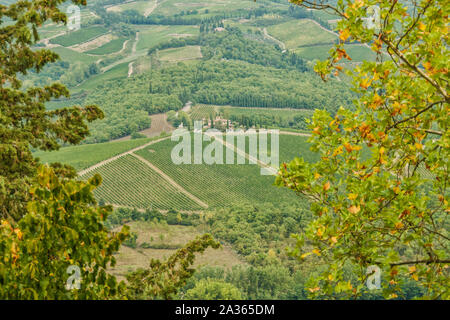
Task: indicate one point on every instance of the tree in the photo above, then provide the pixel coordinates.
(207, 289)
(62, 227)
(50, 223)
(24, 121)
(380, 191)
(163, 280)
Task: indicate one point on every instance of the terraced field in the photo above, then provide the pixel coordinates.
(128, 181)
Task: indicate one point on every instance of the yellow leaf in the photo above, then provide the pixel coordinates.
(412, 269)
(344, 34)
(348, 147)
(303, 256)
(316, 175)
(326, 186)
(398, 225)
(354, 209)
(313, 289)
(316, 251)
(421, 26)
(352, 196)
(319, 232)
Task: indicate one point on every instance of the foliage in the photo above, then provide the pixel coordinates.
(380, 210)
(23, 118)
(259, 233)
(207, 289)
(61, 227)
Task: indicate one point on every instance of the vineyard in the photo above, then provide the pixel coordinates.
(76, 37)
(218, 184)
(110, 47)
(84, 156)
(129, 182)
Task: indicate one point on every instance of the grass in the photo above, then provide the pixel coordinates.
(356, 51)
(298, 33)
(119, 71)
(79, 36)
(130, 259)
(172, 7)
(128, 181)
(150, 36)
(139, 6)
(180, 54)
(73, 56)
(84, 156)
(108, 48)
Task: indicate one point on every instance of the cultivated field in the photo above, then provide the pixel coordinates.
(84, 156)
(181, 54)
(128, 181)
(150, 36)
(299, 33)
(79, 36)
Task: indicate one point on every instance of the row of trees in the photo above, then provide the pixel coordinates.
(127, 102)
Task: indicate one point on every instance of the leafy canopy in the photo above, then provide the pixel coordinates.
(24, 121)
(380, 191)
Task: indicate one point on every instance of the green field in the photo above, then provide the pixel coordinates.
(84, 156)
(298, 33)
(172, 7)
(139, 6)
(356, 51)
(116, 72)
(150, 36)
(128, 181)
(108, 48)
(67, 54)
(79, 36)
(180, 54)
